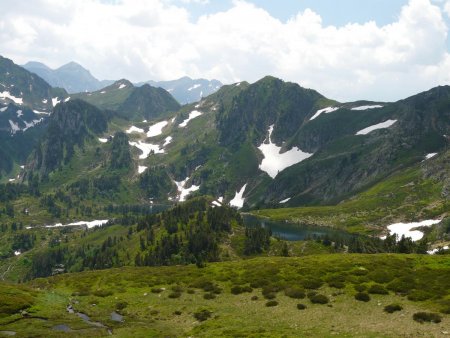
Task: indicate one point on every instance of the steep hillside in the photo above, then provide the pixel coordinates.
(133, 103)
(69, 126)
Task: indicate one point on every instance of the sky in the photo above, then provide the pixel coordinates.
(380, 50)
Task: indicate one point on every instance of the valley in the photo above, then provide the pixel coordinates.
(261, 209)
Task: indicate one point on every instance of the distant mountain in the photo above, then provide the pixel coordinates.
(71, 76)
(130, 102)
(187, 90)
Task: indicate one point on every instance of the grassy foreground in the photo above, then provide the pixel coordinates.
(257, 297)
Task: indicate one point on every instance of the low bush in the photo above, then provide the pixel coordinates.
(177, 312)
(391, 308)
(175, 294)
(301, 306)
(202, 315)
(422, 317)
(237, 289)
(102, 293)
(319, 299)
(121, 305)
(177, 288)
(157, 290)
(254, 298)
(419, 295)
(378, 289)
(209, 295)
(360, 287)
(295, 292)
(336, 284)
(312, 283)
(362, 296)
(272, 303)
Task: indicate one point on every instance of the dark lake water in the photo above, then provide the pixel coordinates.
(293, 231)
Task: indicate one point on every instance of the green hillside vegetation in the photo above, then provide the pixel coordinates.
(256, 297)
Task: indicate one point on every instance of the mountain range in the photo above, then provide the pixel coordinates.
(74, 78)
(193, 210)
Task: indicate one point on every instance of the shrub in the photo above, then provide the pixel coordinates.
(175, 294)
(209, 295)
(401, 285)
(360, 287)
(381, 276)
(121, 305)
(419, 295)
(177, 288)
(270, 295)
(378, 289)
(272, 303)
(254, 298)
(336, 284)
(311, 294)
(319, 299)
(422, 317)
(102, 293)
(237, 289)
(202, 315)
(312, 283)
(177, 312)
(295, 292)
(362, 296)
(190, 291)
(301, 306)
(391, 308)
(157, 290)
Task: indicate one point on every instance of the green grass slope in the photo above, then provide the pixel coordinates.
(257, 297)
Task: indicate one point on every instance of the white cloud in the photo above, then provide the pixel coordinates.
(155, 39)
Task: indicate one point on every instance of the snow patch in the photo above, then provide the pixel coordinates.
(382, 125)
(238, 84)
(167, 140)
(19, 113)
(194, 86)
(141, 169)
(134, 129)
(285, 200)
(103, 92)
(41, 112)
(430, 155)
(3, 109)
(7, 95)
(31, 124)
(156, 129)
(183, 191)
(55, 101)
(323, 111)
(401, 229)
(367, 107)
(238, 200)
(67, 100)
(122, 85)
(11, 180)
(146, 148)
(88, 224)
(17, 253)
(433, 251)
(274, 161)
(14, 127)
(44, 101)
(22, 167)
(192, 115)
(103, 140)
